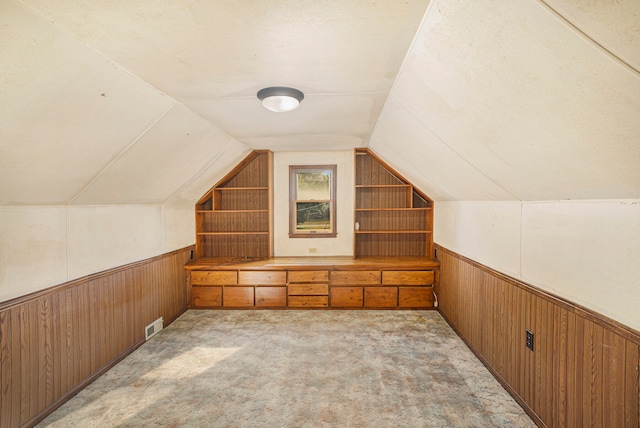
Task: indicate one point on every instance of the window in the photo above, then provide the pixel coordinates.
(312, 192)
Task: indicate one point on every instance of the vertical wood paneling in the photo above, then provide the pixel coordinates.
(632, 381)
(584, 369)
(613, 356)
(54, 342)
(559, 369)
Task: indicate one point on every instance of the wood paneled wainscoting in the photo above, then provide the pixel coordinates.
(583, 369)
(56, 341)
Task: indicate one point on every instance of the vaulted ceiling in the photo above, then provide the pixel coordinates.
(141, 102)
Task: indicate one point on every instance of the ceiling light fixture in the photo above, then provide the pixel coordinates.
(280, 98)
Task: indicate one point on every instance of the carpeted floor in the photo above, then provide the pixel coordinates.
(297, 369)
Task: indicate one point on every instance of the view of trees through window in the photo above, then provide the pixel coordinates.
(312, 200)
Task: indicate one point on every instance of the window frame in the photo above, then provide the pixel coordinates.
(294, 232)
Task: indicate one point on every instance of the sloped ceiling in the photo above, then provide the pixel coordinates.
(505, 100)
(137, 102)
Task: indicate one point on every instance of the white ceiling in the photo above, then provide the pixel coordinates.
(139, 102)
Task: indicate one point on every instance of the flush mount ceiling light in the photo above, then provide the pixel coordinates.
(280, 98)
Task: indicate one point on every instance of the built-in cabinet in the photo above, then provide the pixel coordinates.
(234, 218)
(288, 282)
(392, 267)
(393, 217)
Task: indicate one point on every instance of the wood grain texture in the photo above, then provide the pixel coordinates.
(394, 218)
(238, 297)
(308, 289)
(316, 276)
(309, 276)
(55, 341)
(262, 277)
(415, 297)
(346, 297)
(206, 297)
(271, 297)
(214, 278)
(404, 277)
(355, 277)
(308, 301)
(380, 297)
(584, 367)
(234, 218)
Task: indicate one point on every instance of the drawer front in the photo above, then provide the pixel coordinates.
(271, 296)
(308, 289)
(308, 301)
(380, 297)
(415, 297)
(265, 277)
(206, 297)
(203, 277)
(237, 297)
(355, 277)
(346, 297)
(308, 276)
(407, 277)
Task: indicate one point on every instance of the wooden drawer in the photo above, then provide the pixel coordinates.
(346, 297)
(308, 301)
(206, 297)
(271, 296)
(308, 289)
(308, 276)
(264, 277)
(415, 297)
(407, 277)
(237, 297)
(204, 277)
(380, 297)
(355, 277)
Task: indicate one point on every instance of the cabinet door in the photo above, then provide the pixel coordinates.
(355, 277)
(415, 297)
(380, 297)
(407, 277)
(308, 289)
(308, 276)
(258, 277)
(308, 301)
(346, 297)
(206, 297)
(237, 297)
(271, 296)
(204, 277)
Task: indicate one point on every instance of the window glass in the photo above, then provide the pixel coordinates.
(312, 201)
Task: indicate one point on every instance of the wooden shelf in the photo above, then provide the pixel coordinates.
(235, 217)
(231, 233)
(358, 232)
(391, 209)
(229, 211)
(240, 188)
(395, 218)
(382, 186)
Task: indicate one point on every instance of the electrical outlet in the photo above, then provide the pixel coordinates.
(529, 342)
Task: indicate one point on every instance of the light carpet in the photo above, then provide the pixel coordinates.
(297, 369)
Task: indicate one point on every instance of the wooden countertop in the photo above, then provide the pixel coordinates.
(302, 263)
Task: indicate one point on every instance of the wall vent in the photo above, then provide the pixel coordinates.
(153, 329)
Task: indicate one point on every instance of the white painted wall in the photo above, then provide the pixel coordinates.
(33, 249)
(45, 246)
(342, 245)
(587, 252)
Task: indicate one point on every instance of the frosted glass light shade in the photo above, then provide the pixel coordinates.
(280, 98)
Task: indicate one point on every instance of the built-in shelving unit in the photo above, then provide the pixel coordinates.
(234, 218)
(393, 217)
